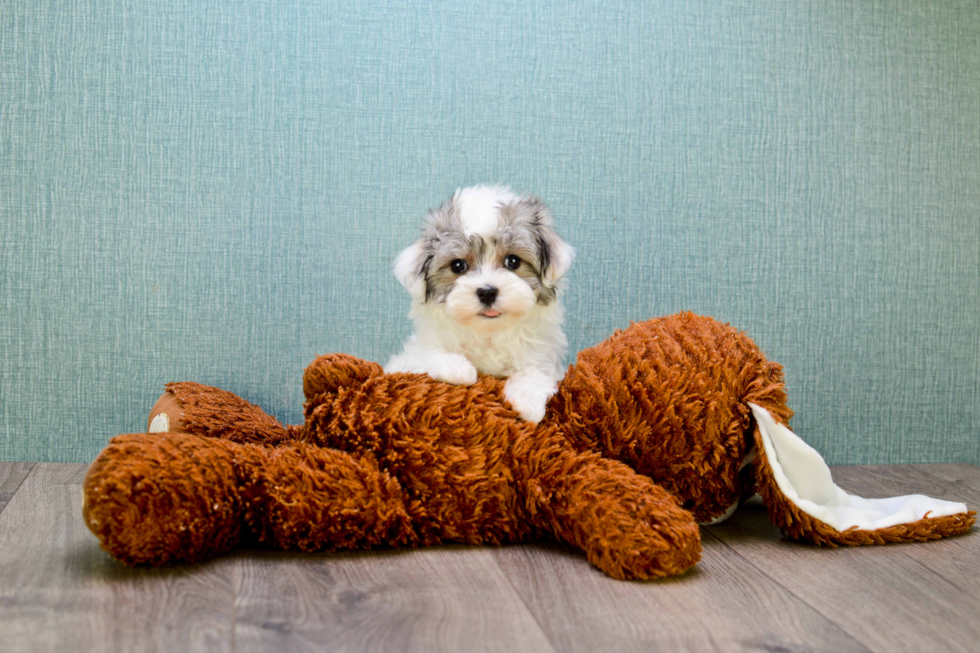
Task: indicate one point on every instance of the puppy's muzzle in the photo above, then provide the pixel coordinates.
(487, 295)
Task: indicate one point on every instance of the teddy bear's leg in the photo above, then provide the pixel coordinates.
(805, 503)
(154, 499)
(214, 413)
(628, 526)
(316, 498)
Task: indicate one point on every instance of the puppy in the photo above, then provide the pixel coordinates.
(484, 284)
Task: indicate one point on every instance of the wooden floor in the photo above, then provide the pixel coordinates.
(751, 591)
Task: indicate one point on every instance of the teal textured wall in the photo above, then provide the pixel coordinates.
(214, 191)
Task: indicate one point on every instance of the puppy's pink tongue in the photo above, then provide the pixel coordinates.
(491, 313)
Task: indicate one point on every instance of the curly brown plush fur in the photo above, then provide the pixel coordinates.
(645, 438)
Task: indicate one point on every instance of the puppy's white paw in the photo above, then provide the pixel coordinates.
(529, 396)
(440, 365)
(453, 368)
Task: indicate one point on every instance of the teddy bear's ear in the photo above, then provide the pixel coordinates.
(410, 269)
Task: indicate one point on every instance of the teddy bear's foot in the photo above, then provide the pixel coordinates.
(214, 413)
(152, 499)
(165, 415)
(806, 504)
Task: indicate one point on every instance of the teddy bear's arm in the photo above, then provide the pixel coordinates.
(329, 372)
(629, 527)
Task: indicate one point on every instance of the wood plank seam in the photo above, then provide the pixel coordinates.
(554, 645)
(927, 474)
(4, 504)
(829, 618)
(968, 467)
(236, 589)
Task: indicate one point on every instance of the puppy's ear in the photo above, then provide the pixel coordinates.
(554, 253)
(410, 268)
(556, 256)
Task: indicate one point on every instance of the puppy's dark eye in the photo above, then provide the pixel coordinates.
(458, 266)
(511, 262)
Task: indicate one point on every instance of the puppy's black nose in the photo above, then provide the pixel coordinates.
(486, 295)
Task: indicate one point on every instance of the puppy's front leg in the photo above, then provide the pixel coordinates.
(528, 391)
(441, 365)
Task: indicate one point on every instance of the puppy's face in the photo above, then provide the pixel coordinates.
(487, 257)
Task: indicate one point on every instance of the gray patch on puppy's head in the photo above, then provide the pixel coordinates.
(414, 265)
(527, 227)
(524, 228)
(443, 241)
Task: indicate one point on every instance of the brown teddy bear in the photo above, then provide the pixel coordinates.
(665, 425)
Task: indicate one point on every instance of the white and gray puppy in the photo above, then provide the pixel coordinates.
(484, 284)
